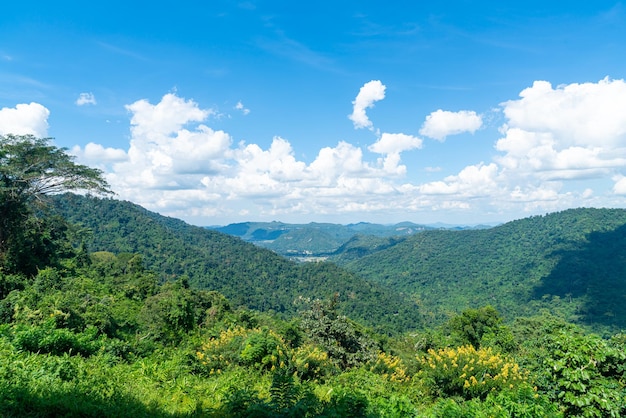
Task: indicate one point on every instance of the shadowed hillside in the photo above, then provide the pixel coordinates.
(592, 275)
(568, 262)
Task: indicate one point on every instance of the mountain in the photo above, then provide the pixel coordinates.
(312, 239)
(248, 275)
(572, 263)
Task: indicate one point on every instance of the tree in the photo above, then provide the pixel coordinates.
(345, 344)
(30, 169)
(473, 325)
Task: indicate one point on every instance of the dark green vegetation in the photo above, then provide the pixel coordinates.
(571, 263)
(30, 169)
(313, 239)
(248, 275)
(98, 334)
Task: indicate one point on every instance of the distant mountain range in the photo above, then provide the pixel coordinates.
(315, 240)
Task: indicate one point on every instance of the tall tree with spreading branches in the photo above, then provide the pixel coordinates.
(30, 169)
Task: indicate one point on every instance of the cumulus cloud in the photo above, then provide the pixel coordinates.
(86, 99)
(96, 154)
(471, 182)
(619, 187)
(166, 117)
(551, 137)
(442, 123)
(573, 131)
(163, 153)
(24, 119)
(584, 114)
(239, 106)
(177, 164)
(395, 143)
(391, 145)
(370, 93)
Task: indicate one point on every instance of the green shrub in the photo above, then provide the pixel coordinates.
(47, 339)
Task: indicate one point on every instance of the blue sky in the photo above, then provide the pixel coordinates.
(218, 112)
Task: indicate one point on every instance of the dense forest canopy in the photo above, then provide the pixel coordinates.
(569, 262)
(127, 324)
(246, 274)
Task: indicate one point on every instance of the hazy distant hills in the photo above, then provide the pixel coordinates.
(318, 239)
(248, 275)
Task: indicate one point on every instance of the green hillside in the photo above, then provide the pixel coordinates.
(86, 332)
(571, 262)
(248, 275)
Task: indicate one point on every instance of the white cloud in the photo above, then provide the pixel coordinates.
(86, 99)
(395, 143)
(392, 145)
(370, 93)
(239, 106)
(473, 181)
(442, 123)
(163, 155)
(168, 116)
(96, 154)
(24, 119)
(620, 185)
(585, 114)
(180, 166)
(344, 159)
(575, 131)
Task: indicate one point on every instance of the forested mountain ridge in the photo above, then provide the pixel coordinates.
(248, 275)
(313, 239)
(322, 239)
(570, 262)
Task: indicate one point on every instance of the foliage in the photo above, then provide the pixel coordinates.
(30, 168)
(468, 372)
(345, 344)
(389, 367)
(522, 402)
(570, 263)
(47, 339)
(585, 374)
(312, 362)
(246, 274)
(478, 327)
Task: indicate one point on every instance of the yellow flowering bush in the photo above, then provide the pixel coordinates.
(469, 373)
(311, 362)
(259, 347)
(265, 349)
(220, 352)
(389, 367)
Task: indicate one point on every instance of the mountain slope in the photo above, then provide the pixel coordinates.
(570, 262)
(246, 274)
